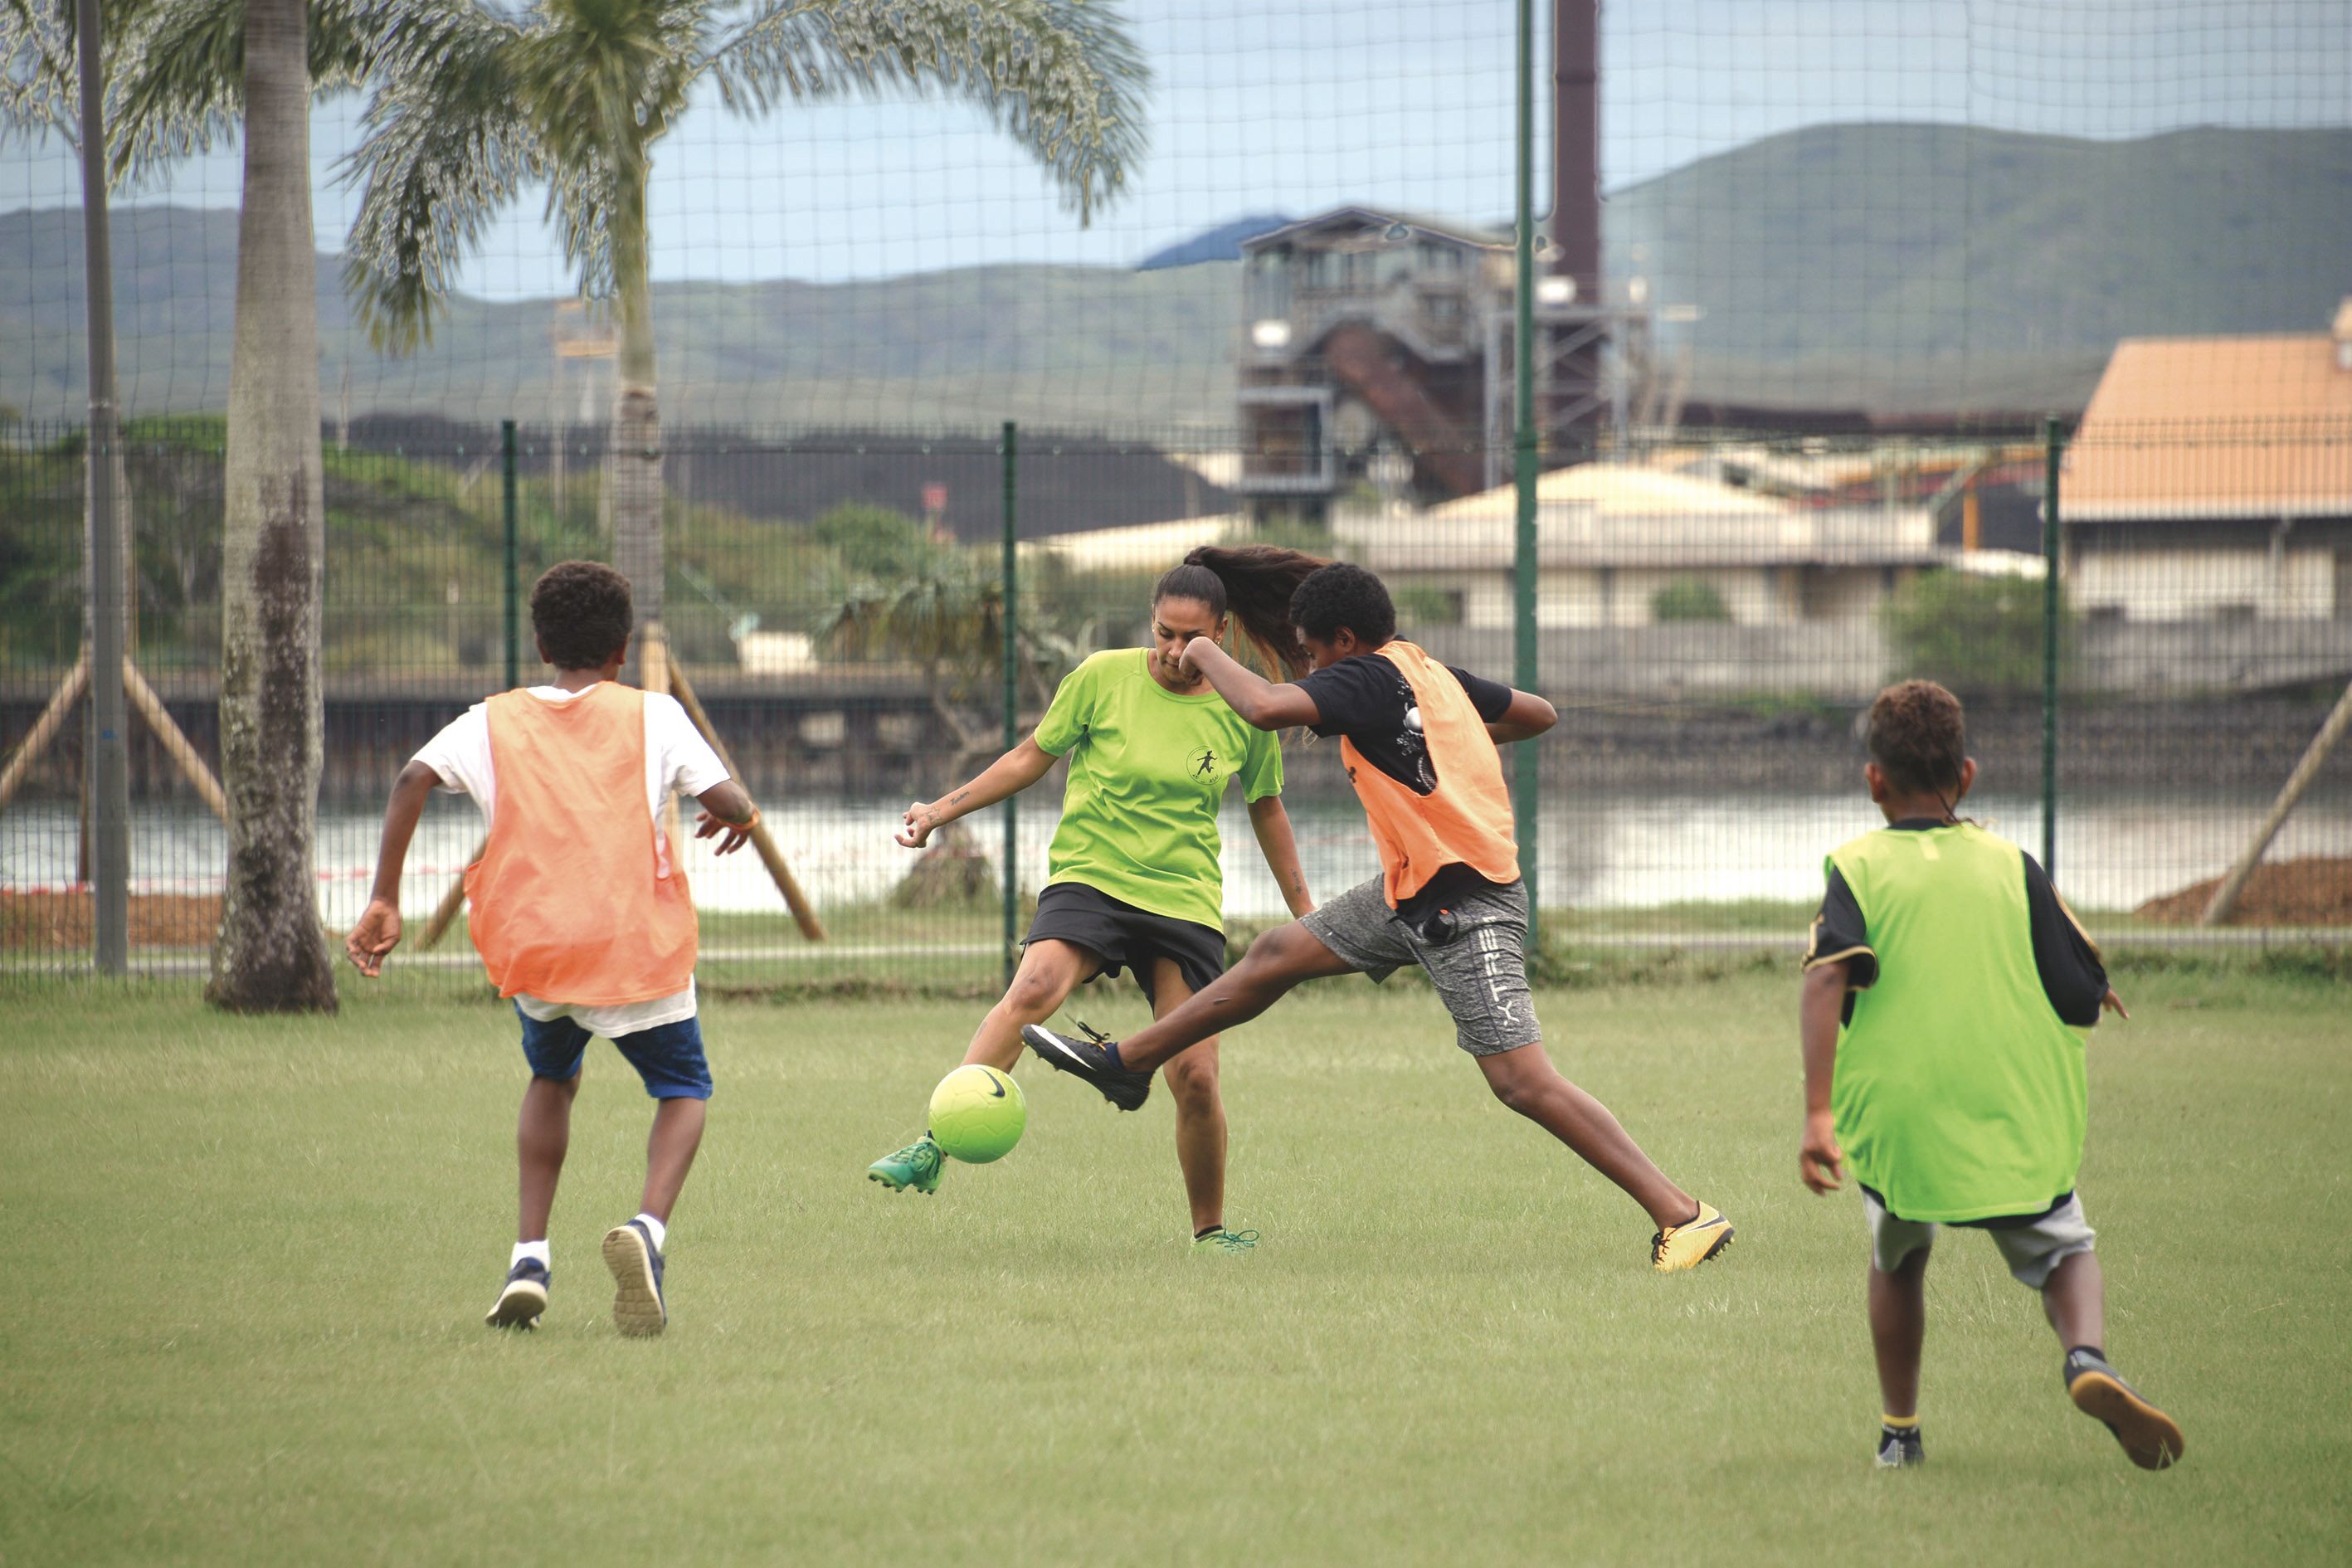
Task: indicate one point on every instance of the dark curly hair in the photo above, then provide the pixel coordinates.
(581, 612)
(1919, 736)
(1255, 582)
(1342, 595)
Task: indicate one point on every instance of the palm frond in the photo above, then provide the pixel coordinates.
(603, 79)
(447, 144)
(607, 76)
(584, 199)
(351, 40)
(40, 90)
(178, 82)
(1064, 77)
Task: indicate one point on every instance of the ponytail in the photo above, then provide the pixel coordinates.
(1253, 582)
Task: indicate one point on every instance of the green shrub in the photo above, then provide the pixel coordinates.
(1688, 599)
(1981, 637)
(1420, 606)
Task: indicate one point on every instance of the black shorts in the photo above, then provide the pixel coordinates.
(1125, 937)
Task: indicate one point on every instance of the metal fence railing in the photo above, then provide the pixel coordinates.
(1713, 612)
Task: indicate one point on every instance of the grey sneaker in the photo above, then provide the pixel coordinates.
(638, 1309)
(2150, 1437)
(524, 1298)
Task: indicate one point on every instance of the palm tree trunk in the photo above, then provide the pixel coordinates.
(271, 953)
(637, 463)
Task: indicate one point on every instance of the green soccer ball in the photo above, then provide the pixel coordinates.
(977, 1114)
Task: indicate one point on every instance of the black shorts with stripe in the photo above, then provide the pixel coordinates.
(1125, 937)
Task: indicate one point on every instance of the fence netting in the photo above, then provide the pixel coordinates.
(1713, 613)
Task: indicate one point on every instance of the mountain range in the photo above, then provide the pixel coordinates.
(1894, 267)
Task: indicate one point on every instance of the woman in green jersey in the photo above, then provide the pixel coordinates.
(1133, 880)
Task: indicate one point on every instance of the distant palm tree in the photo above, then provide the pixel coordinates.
(576, 93)
(938, 610)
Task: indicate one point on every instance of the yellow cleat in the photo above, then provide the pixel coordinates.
(1691, 1243)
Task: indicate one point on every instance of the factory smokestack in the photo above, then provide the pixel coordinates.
(1576, 144)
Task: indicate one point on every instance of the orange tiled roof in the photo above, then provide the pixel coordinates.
(2256, 428)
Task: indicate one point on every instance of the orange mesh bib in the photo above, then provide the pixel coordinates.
(573, 901)
(1466, 819)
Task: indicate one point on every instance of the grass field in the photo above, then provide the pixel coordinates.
(240, 1318)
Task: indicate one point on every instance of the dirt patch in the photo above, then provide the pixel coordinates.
(2314, 892)
(64, 920)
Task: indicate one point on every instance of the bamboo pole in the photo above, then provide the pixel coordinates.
(446, 911)
(175, 742)
(769, 854)
(44, 727)
(2225, 896)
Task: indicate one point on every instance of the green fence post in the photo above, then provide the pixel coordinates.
(1525, 776)
(2052, 444)
(1012, 618)
(514, 555)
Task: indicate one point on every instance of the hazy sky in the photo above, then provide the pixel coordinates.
(1294, 105)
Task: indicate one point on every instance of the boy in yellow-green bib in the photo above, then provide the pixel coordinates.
(1948, 999)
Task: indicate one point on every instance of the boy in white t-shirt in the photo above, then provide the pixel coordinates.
(579, 911)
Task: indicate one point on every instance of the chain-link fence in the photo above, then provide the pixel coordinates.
(1713, 614)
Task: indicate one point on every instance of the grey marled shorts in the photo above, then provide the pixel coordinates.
(1480, 973)
(2031, 1251)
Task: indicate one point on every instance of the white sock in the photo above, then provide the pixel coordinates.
(532, 1249)
(655, 1228)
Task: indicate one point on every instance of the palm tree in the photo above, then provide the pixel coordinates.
(183, 74)
(271, 953)
(189, 72)
(576, 93)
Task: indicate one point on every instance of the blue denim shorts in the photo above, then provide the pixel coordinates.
(668, 1056)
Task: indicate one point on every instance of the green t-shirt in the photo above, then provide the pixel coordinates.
(1147, 769)
(1959, 1093)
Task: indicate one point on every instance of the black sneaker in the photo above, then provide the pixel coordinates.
(1899, 1448)
(2150, 1439)
(636, 1263)
(1126, 1089)
(524, 1298)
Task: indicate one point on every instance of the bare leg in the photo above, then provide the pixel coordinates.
(2076, 1301)
(1049, 972)
(1898, 1328)
(669, 1153)
(1277, 961)
(1526, 1081)
(543, 1136)
(1191, 1079)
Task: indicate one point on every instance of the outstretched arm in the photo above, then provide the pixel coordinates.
(1528, 717)
(378, 932)
(1820, 1163)
(1259, 701)
(1011, 773)
(1271, 822)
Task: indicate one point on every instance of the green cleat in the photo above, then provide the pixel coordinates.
(918, 1166)
(1224, 1243)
